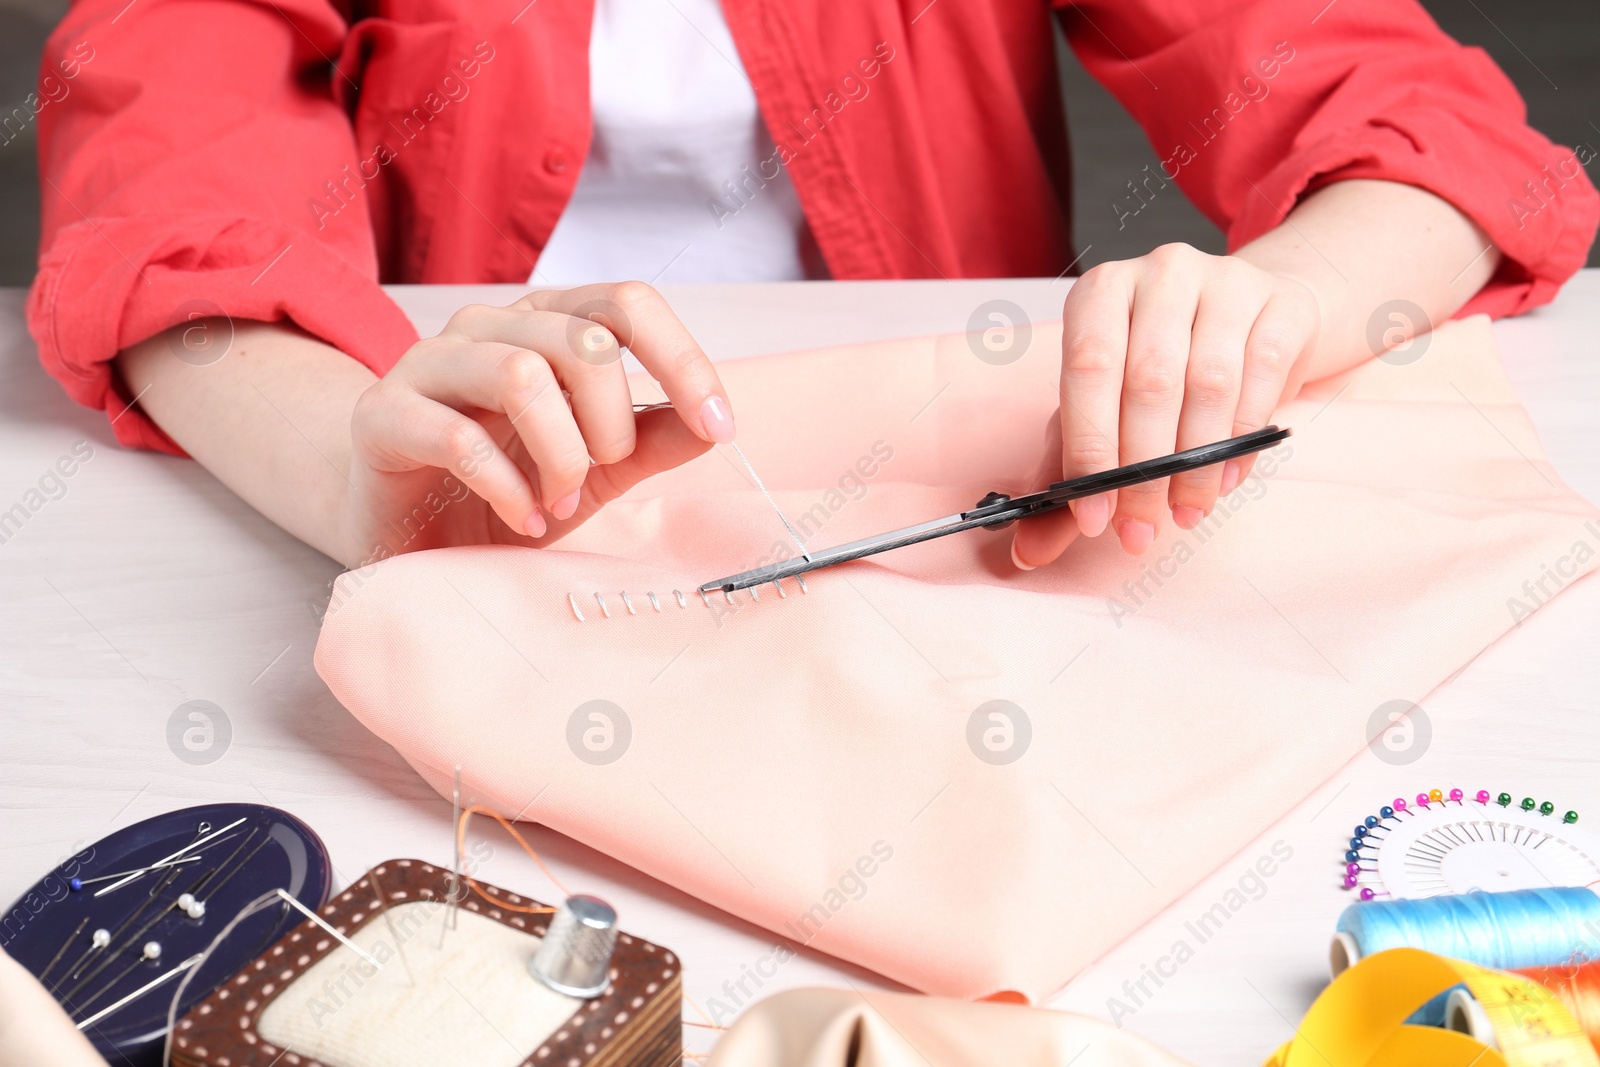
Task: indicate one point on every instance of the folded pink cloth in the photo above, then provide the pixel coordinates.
(967, 778)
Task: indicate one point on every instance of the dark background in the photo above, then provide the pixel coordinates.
(1551, 49)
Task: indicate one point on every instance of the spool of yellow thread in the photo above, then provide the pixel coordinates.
(1360, 1019)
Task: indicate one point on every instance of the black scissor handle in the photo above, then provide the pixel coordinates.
(1057, 494)
(996, 509)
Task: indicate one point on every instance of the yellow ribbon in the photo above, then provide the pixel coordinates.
(1360, 1019)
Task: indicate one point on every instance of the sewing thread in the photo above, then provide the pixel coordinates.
(1522, 928)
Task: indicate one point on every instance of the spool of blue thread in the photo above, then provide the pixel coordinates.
(1523, 928)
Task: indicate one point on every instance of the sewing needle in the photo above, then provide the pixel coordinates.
(141, 870)
(154, 983)
(168, 859)
(455, 871)
(289, 899)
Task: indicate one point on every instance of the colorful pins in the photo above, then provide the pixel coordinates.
(1359, 852)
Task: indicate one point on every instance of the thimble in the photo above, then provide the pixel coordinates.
(575, 956)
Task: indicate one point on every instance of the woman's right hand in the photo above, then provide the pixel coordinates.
(527, 407)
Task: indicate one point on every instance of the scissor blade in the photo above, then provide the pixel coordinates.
(867, 546)
(997, 509)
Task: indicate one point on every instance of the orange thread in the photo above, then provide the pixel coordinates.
(461, 846)
(698, 1056)
(708, 1024)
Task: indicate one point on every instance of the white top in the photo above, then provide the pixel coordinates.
(673, 190)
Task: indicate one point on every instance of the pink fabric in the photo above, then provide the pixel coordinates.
(811, 756)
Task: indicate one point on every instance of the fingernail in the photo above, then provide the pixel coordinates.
(1230, 476)
(1136, 536)
(1021, 566)
(1187, 517)
(716, 420)
(1092, 514)
(563, 508)
(535, 526)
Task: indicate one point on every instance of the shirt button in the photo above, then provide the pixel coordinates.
(557, 160)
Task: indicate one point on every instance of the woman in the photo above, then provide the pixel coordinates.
(257, 169)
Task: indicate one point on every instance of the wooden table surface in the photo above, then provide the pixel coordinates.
(147, 584)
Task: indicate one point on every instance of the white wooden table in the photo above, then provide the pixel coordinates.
(147, 585)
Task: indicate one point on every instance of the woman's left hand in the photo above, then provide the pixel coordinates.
(1169, 351)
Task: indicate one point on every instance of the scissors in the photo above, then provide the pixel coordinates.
(996, 509)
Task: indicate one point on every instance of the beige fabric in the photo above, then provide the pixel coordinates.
(837, 1028)
(33, 1028)
(469, 1000)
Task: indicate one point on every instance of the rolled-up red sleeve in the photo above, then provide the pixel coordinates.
(178, 172)
(1252, 105)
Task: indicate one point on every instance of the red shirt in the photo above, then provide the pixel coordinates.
(278, 160)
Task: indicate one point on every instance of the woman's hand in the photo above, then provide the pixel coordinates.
(528, 408)
(481, 435)
(1165, 352)
(1177, 348)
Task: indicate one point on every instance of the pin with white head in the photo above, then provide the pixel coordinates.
(191, 906)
